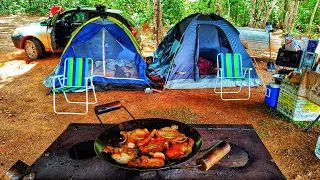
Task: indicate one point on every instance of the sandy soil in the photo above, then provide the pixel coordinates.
(28, 124)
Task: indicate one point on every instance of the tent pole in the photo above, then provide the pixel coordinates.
(103, 53)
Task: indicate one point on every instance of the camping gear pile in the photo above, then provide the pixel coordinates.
(297, 80)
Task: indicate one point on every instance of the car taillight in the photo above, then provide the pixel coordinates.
(133, 31)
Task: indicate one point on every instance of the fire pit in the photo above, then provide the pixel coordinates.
(72, 156)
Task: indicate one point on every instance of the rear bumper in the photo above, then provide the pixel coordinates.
(16, 41)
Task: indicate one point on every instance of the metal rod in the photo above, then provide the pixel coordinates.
(313, 123)
(100, 121)
(270, 46)
(128, 112)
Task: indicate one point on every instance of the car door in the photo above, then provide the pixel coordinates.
(52, 25)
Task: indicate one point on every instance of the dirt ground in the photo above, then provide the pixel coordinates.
(28, 124)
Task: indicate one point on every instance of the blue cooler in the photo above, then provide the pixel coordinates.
(272, 94)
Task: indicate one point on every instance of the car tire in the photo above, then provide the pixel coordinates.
(33, 49)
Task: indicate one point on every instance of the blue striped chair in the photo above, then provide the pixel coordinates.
(230, 69)
(77, 77)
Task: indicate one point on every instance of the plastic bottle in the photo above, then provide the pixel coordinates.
(317, 150)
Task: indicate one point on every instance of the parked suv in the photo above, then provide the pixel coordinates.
(53, 34)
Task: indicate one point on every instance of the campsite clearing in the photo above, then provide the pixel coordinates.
(28, 124)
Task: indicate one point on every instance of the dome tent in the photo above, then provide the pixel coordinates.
(196, 39)
(115, 53)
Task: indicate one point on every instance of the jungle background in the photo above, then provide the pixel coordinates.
(294, 17)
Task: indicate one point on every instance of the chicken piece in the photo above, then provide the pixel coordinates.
(146, 162)
(158, 155)
(180, 150)
(171, 133)
(121, 155)
(126, 142)
(147, 139)
(138, 135)
(155, 145)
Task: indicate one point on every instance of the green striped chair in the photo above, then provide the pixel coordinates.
(230, 69)
(77, 77)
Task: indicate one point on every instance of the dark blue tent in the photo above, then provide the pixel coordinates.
(199, 37)
(115, 53)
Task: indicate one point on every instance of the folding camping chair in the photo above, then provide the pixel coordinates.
(75, 78)
(231, 69)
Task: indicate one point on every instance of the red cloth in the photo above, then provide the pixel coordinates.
(54, 9)
(206, 67)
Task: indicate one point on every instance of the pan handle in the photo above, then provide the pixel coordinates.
(213, 155)
(104, 108)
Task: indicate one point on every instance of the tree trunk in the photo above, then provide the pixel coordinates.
(267, 14)
(243, 14)
(282, 11)
(236, 18)
(288, 15)
(158, 20)
(228, 16)
(218, 7)
(261, 5)
(312, 16)
(30, 3)
(252, 14)
(294, 15)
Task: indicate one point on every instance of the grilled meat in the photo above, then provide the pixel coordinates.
(138, 135)
(121, 155)
(147, 162)
(168, 143)
(171, 133)
(180, 150)
(155, 145)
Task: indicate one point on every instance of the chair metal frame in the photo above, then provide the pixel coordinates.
(243, 72)
(62, 81)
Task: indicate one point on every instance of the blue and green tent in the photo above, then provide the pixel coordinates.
(197, 39)
(116, 56)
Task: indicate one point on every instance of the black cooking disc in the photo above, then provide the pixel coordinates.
(112, 137)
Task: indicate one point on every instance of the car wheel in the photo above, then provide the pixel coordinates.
(33, 49)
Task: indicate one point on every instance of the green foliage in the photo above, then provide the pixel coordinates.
(173, 11)
(141, 11)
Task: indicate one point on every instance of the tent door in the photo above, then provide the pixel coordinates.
(209, 45)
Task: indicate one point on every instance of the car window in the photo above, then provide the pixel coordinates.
(67, 17)
(78, 17)
(74, 17)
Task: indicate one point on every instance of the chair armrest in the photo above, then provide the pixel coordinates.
(56, 76)
(59, 77)
(247, 69)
